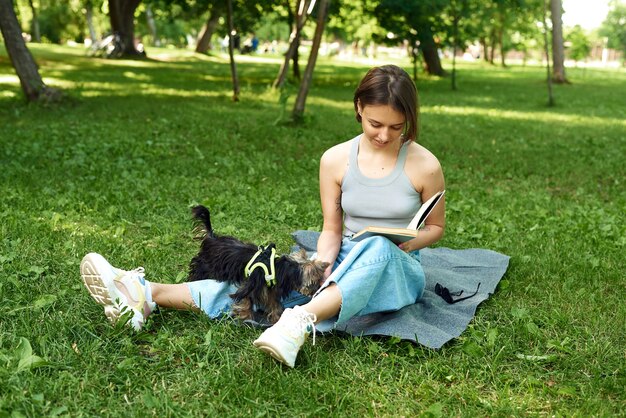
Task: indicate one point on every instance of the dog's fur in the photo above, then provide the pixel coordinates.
(224, 258)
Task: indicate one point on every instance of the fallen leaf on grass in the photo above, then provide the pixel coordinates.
(27, 360)
(44, 300)
(545, 357)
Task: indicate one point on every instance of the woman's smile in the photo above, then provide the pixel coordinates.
(380, 143)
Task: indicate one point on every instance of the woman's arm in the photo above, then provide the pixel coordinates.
(331, 173)
(427, 177)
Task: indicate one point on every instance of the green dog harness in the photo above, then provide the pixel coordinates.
(255, 263)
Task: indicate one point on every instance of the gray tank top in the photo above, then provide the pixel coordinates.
(389, 201)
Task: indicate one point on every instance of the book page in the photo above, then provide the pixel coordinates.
(396, 237)
(425, 210)
(399, 235)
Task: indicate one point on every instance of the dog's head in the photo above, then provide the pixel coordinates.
(312, 273)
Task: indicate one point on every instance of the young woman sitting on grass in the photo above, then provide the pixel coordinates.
(380, 177)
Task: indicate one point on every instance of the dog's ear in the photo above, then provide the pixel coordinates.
(313, 270)
(310, 271)
(312, 276)
(302, 257)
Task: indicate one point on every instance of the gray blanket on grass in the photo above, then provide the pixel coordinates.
(431, 321)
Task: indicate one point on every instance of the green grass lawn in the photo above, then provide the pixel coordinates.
(116, 168)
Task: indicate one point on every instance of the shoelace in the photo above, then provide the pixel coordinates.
(139, 272)
(307, 319)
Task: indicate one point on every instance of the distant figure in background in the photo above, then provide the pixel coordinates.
(237, 41)
(250, 45)
(255, 42)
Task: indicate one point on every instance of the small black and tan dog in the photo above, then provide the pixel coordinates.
(262, 278)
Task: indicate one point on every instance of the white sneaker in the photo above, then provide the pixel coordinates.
(120, 292)
(284, 339)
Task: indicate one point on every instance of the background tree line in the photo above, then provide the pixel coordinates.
(424, 27)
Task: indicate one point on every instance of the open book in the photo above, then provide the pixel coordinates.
(399, 235)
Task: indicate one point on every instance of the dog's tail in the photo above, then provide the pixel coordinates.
(202, 214)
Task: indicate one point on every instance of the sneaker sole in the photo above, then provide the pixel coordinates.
(97, 289)
(273, 353)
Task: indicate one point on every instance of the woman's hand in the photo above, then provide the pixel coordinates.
(408, 246)
(328, 271)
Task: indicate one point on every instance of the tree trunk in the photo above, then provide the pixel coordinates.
(284, 68)
(455, 26)
(204, 40)
(414, 51)
(295, 59)
(431, 55)
(279, 81)
(25, 67)
(558, 50)
(36, 34)
(483, 42)
(298, 109)
(492, 52)
(294, 42)
(302, 6)
(453, 78)
(501, 42)
(500, 32)
(231, 47)
(547, 52)
(89, 19)
(152, 26)
(122, 17)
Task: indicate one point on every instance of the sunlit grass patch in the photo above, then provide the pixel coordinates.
(539, 116)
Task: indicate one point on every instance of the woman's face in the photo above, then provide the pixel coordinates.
(382, 125)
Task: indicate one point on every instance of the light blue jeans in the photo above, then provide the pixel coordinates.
(373, 275)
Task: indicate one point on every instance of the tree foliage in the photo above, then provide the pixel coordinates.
(59, 21)
(579, 45)
(355, 21)
(415, 21)
(614, 27)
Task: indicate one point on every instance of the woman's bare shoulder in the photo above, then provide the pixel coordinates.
(334, 162)
(337, 155)
(421, 158)
(423, 168)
